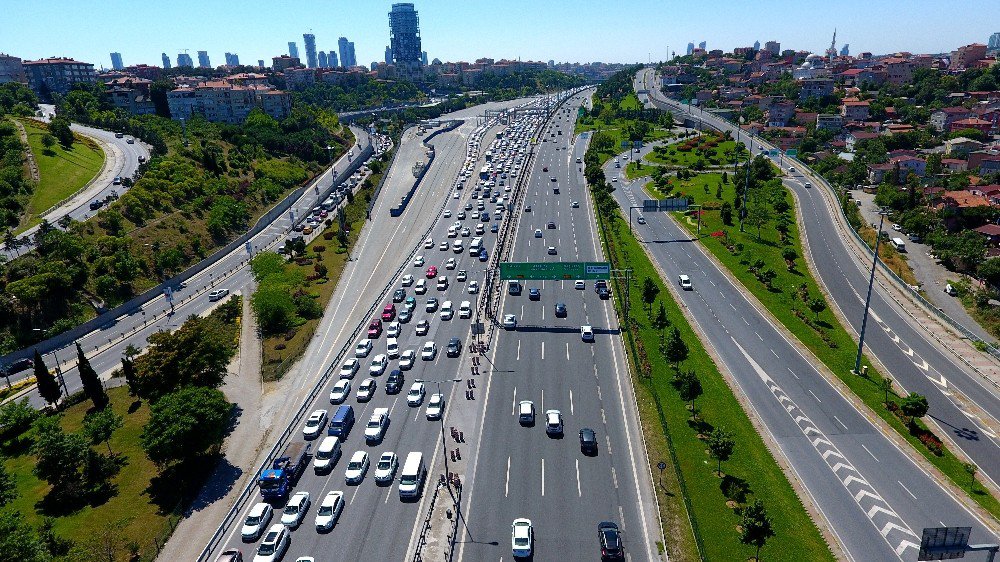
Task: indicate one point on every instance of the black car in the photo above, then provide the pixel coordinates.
(588, 441)
(494, 228)
(399, 295)
(611, 541)
(454, 347)
(484, 217)
(18, 366)
(603, 293)
(96, 204)
(560, 310)
(394, 383)
(551, 225)
(534, 294)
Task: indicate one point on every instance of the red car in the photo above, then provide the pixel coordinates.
(389, 312)
(432, 272)
(375, 329)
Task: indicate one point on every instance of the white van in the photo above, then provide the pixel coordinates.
(476, 246)
(899, 244)
(327, 454)
(465, 310)
(392, 348)
(411, 480)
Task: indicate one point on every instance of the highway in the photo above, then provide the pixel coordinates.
(963, 404)
(874, 497)
(520, 471)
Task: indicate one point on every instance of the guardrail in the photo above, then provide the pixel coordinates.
(422, 537)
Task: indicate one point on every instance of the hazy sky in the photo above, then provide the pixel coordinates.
(582, 30)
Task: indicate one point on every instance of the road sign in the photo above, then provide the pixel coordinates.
(624, 144)
(650, 205)
(637, 144)
(773, 152)
(554, 271)
(944, 543)
(792, 152)
(664, 205)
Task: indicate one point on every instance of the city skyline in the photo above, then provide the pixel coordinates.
(556, 32)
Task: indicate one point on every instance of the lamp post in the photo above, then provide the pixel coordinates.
(746, 188)
(868, 299)
(444, 444)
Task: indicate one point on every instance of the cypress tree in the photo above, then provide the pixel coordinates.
(92, 386)
(48, 386)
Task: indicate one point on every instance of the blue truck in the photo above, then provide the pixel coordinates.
(276, 482)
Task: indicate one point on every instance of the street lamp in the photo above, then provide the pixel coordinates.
(444, 444)
(746, 188)
(868, 299)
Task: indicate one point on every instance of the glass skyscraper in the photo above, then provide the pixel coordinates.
(404, 38)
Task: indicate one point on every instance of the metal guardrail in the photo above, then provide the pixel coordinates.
(422, 538)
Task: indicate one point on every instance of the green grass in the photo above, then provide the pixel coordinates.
(630, 103)
(720, 155)
(823, 334)
(61, 172)
(668, 425)
(636, 170)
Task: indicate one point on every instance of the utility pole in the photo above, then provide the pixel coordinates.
(868, 299)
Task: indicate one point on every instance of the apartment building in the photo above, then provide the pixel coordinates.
(222, 101)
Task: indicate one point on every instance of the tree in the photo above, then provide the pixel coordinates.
(726, 213)
(48, 141)
(817, 305)
(689, 386)
(661, 322)
(274, 307)
(48, 386)
(98, 426)
(989, 271)
(61, 459)
(184, 424)
(92, 385)
(915, 406)
(886, 385)
(18, 541)
(756, 526)
(8, 487)
(720, 446)
(59, 127)
(649, 291)
(789, 254)
(758, 215)
(131, 377)
(970, 469)
(196, 354)
(676, 350)
(16, 418)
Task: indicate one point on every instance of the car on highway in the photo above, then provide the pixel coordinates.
(329, 511)
(315, 424)
(392, 348)
(579, 284)
(553, 422)
(450, 263)
(575, 204)
(610, 538)
(428, 244)
(379, 363)
(538, 233)
(327, 454)
(552, 250)
(431, 272)
(407, 280)
(454, 348)
(375, 328)
(274, 546)
(560, 310)
(465, 310)
(447, 213)
(522, 535)
(389, 312)
(534, 294)
(473, 287)
(375, 429)
(509, 321)
(356, 467)
(394, 328)
(363, 348)
(349, 368)
(483, 255)
(406, 359)
(494, 228)
(587, 332)
(295, 509)
(366, 390)
(431, 305)
(394, 382)
(385, 468)
(217, 294)
(435, 406)
(429, 351)
(256, 521)
(462, 275)
(416, 394)
(551, 225)
(418, 261)
(527, 208)
(685, 282)
(410, 303)
(641, 220)
(340, 391)
(443, 246)
(423, 327)
(420, 288)
(442, 283)
(588, 441)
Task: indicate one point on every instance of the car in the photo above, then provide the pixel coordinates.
(462, 275)
(356, 467)
(450, 264)
(117, 180)
(375, 328)
(641, 220)
(428, 244)
(217, 294)
(522, 536)
(394, 382)
(329, 510)
(588, 441)
(308, 228)
(274, 545)
(552, 178)
(340, 391)
(509, 321)
(553, 422)
(385, 468)
(494, 228)
(483, 256)
(130, 140)
(443, 246)
(551, 225)
(407, 280)
(389, 312)
(410, 303)
(610, 538)
(575, 204)
(392, 348)
(394, 328)
(465, 310)
(579, 284)
(432, 305)
(406, 359)
(366, 390)
(119, 135)
(442, 283)
(534, 294)
(420, 288)
(435, 406)
(416, 394)
(538, 233)
(466, 231)
(429, 351)
(587, 332)
(423, 327)
(447, 213)
(256, 521)
(526, 412)
(552, 250)
(349, 368)
(545, 169)
(431, 272)
(473, 287)
(685, 282)
(897, 228)
(314, 425)
(791, 170)
(363, 348)
(808, 185)
(560, 310)
(460, 215)
(377, 423)
(379, 363)
(468, 206)
(454, 348)
(527, 208)
(295, 509)
(399, 295)
(418, 261)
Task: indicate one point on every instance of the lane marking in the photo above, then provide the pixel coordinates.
(579, 493)
(543, 477)
(506, 483)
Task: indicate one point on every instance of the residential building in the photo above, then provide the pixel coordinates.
(780, 113)
(971, 123)
(293, 50)
(323, 61)
(222, 101)
(906, 165)
(967, 56)
(165, 60)
(11, 69)
(346, 49)
(284, 62)
(978, 158)
(310, 42)
(855, 110)
(388, 54)
(57, 75)
(942, 119)
(816, 87)
(899, 71)
(116, 61)
(404, 39)
(144, 71)
(829, 122)
(131, 94)
(203, 61)
(774, 47)
(184, 59)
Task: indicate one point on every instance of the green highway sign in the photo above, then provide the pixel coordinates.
(792, 152)
(554, 271)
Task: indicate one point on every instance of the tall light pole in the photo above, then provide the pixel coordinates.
(868, 299)
(746, 188)
(444, 444)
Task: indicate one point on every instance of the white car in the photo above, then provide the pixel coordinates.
(465, 310)
(442, 284)
(385, 468)
(685, 282)
(421, 287)
(509, 321)
(447, 311)
(521, 537)
(366, 390)
(340, 391)
(256, 521)
(407, 280)
(416, 394)
(418, 261)
(447, 213)
(363, 348)
(435, 406)
(295, 509)
(423, 327)
(450, 263)
(473, 287)
(587, 332)
(350, 368)
(553, 422)
(378, 365)
(406, 360)
(217, 294)
(579, 284)
(356, 468)
(428, 244)
(443, 246)
(526, 412)
(375, 429)
(575, 204)
(329, 510)
(393, 330)
(274, 545)
(462, 275)
(314, 425)
(429, 351)
(392, 348)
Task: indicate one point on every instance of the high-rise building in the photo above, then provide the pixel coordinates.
(57, 75)
(423, 58)
(994, 42)
(404, 38)
(774, 47)
(703, 46)
(116, 61)
(232, 59)
(184, 59)
(203, 61)
(756, 45)
(166, 61)
(845, 51)
(323, 61)
(310, 41)
(346, 49)
(293, 50)
(260, 63)
(388, 54)
(331, 58)
(11, 69)
(690, 48)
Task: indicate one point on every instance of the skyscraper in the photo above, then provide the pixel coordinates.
(388, 54)
(310, 41)
(232, 59)
(423, 58)
(404, 38)
(331, 58)
(203, 61)
(774, 47)
(845, 51)
(756, 45)
(703, 46)
(184, 59)
(690, 48)
(166, 61)
(116, 61)
(293, 50)
(260, 63)
(346, 49)
(994, 42)
(323, 61)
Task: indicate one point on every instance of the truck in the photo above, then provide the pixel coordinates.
(276, 482)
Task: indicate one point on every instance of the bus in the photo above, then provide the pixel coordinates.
(484, 174)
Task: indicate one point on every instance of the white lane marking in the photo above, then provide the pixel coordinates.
(870, 453)
(567, 351)
(844, 425)
(907, 489)
(614, 477)
(571, 402)
(579, 493)
(542, 408)
(518, 350)
(543, 349)
(543, 477)
(506, 483)
(775, 354)
(814, 396)
(513, 404)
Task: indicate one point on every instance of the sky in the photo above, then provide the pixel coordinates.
(455, 30)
